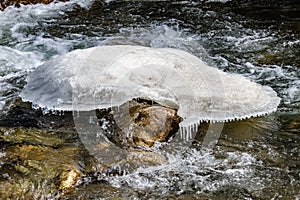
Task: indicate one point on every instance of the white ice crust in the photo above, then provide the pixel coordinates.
(106, 76)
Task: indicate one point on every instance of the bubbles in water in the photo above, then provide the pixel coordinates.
(190, 170)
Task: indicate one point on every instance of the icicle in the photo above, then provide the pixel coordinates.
(181, 132)
(186, 134)
(190, 132)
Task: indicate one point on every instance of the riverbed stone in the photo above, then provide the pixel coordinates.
(37, 164)
(38, 171)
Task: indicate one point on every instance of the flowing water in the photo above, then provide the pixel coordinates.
(253, 159)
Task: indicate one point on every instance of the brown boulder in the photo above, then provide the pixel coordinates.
(147, 124)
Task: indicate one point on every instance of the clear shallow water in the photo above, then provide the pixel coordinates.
(255, 159)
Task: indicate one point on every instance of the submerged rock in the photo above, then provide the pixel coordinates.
(35, 169)
(41, 164)
(125, 140)
(47, 164)
(38, 164)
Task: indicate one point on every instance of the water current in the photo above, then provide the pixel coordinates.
(258, 158)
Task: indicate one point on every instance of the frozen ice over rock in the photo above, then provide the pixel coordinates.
(108, 76)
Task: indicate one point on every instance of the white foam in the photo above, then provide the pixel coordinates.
(293, 93)
(188, 167)
(2, 154)
(28, 48)
(160, 36)
(1, 104)
(13, 60)
(291, 43)
(221, 1)
(23, 29)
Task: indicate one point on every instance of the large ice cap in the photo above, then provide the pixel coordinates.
(106, 76)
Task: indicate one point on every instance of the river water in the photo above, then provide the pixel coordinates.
(253, 159)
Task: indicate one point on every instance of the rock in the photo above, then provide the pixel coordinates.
(30, 136)
(18, 3)
(138, 158)
(148, 124)
(133, 136)
(153, 124)
(69, 178)
(36, 164)
(38, 170)
(132, 131)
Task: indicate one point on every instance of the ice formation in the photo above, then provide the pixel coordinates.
(107, 76)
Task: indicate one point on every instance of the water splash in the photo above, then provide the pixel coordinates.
(164, 35)
(25, 45)
(190, 170)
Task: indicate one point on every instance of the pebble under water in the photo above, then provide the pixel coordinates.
(257, 158)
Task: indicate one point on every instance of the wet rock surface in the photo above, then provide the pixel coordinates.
(48, 158)
(146, 125)
(38, 164)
